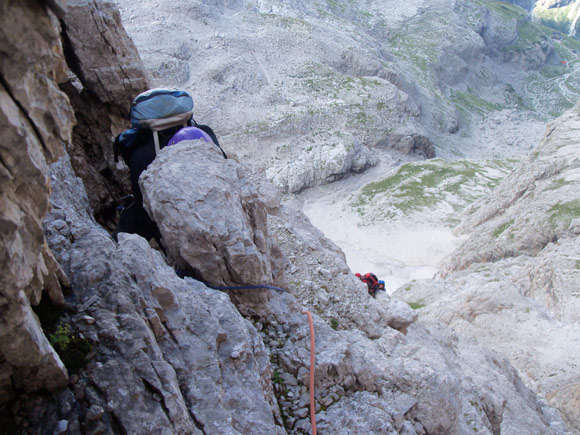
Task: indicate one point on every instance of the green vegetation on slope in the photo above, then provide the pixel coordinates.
(564, 213)
(468, 101)
(559, 18)
(506, 10)
(428, 185)
(499, 230)
(419, 43)
(545, 94)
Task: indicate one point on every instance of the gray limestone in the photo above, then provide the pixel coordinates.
(171, 355)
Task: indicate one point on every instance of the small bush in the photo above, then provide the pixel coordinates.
(71, 349)
(334, 324)
(276, 378)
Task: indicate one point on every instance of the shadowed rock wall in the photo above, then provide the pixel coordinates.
(35, 121)
(106, 73)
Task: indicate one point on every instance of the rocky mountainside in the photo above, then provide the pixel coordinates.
(463, 79)
(105, 336)
(316, 89)
(561, 15)
(518, 270)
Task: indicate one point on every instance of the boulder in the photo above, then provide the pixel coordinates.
(210, 215)
(409, 144)
(322, 165)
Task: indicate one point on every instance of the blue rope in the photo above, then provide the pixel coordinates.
(181, 273)
(243, 287)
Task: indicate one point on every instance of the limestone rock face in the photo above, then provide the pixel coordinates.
(32, 71)
(182, 352)
(211, 217)
(536, 204)
(106, 73)
(374, 73)
(321, 166)
(170, 355)
(35, 119)
(518, 270)
(379, 362)
(318, 274)
(428, 381)
(191, 363)
(112, 75)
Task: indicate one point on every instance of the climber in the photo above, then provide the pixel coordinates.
(370, 279)
(378, 287)
(159, 117)
(373, 283)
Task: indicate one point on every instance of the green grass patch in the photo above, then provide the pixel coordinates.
(558, 183)
(277, 378)
(473, 103)
(336, 5)
(361, 118)
(564, 213)
(326, 82)
(506, 10)
(419, 185)
(417, 305)
(71, 348)
(286, 21)
(547, 96)
(553, 71)
(418, 43)
(407, 172)
(499, 230)
(530, 33)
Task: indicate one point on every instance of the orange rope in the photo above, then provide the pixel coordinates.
(312, 351)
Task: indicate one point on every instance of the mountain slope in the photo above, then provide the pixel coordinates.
(290, 77)
(103, 335)
(513, 283)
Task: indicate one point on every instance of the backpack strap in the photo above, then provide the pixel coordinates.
(156, 140)
(156, 137)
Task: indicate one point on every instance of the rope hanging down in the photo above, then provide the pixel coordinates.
(312, 366)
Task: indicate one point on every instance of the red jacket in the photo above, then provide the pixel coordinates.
(371, 280)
